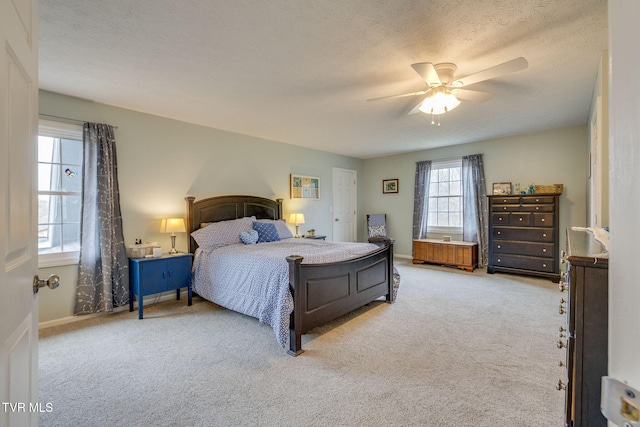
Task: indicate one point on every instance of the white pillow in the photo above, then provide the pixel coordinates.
(281, 227)
(222, 233)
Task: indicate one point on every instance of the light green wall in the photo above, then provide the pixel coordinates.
(551, 157)
(160, 161)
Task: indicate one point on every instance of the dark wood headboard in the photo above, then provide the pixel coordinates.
(222, 208)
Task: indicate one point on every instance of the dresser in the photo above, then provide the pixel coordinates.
(584, 334)
(524, 235)
(155, 275)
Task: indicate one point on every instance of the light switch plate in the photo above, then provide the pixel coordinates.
(620, 403)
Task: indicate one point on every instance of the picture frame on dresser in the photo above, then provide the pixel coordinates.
(501, 188)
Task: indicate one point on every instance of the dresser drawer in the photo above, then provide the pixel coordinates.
(539, 199)
(505, 208)
(506, 200)
(543, 219)
(545, 250)
(521, 219)
(538, 208)
(523, 262)
(531, 234)
(500, 218)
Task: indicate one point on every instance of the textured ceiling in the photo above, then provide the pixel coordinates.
(300, 72)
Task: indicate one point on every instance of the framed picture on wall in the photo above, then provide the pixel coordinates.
(501, 188)
(305, 187)
(390, 185)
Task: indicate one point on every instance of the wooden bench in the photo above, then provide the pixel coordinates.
(463, 255)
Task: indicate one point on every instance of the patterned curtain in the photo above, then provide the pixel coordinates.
(421, 199)
(474, 199)
(103, 271)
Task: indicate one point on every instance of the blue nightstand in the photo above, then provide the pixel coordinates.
(154, 275)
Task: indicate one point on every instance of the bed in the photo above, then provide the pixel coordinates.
(317, 292)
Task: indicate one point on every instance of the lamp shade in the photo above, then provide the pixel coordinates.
(172, 225)
(296, 218)
(439, 102)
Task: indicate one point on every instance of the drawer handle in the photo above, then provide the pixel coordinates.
(544, 250)
(544, 234)
(505, 208)
(544, 265)
(537, 200)
(520, 219)
(542, 220)
(500, 219)
(499, 260)
(499, 232)
(537, 207)
(504, 201)
(499, 247)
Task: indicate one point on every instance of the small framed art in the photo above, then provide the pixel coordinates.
(501, 188)
(390, 186)
(305, 187)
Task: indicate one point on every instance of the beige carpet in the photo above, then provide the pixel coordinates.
(456, 349)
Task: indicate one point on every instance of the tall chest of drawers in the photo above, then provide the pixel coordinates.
(524, 234)
(585, 334)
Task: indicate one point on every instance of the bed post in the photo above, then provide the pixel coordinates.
(389, 297)
(295, 318)
(280, 213)
(189, 200)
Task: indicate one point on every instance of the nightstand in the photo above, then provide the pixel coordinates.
(154, 275)
(316, 237)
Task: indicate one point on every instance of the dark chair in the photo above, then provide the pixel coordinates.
(377, 230)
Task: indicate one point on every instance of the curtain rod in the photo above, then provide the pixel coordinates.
(449, 159)
(74, 121)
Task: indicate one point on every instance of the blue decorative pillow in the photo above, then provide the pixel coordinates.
(281, 226)
(249, 237)
(266, 232)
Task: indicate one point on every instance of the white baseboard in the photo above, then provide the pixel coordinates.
(147, 301)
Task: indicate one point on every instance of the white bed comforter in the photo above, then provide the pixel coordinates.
(254, 279)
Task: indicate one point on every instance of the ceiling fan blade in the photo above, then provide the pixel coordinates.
(415, 109)
(422, 92)
(493, 72)
(428, 73)
(472, 95)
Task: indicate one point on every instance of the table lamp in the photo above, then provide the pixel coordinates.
(173, 226)
(296, 218)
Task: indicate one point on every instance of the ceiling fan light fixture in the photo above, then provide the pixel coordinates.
(439, 102)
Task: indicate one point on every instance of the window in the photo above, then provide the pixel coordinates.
(59, 192)
(445, 197)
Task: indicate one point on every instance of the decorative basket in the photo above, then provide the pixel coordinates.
(549, 189)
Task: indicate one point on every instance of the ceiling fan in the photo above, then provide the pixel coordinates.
(442, 92)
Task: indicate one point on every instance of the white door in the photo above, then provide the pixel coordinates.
(18, 213)
(624, 134)
(345, 199)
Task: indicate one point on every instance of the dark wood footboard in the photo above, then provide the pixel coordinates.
(324, 292)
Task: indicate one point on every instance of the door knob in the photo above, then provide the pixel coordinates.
(52, 282)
